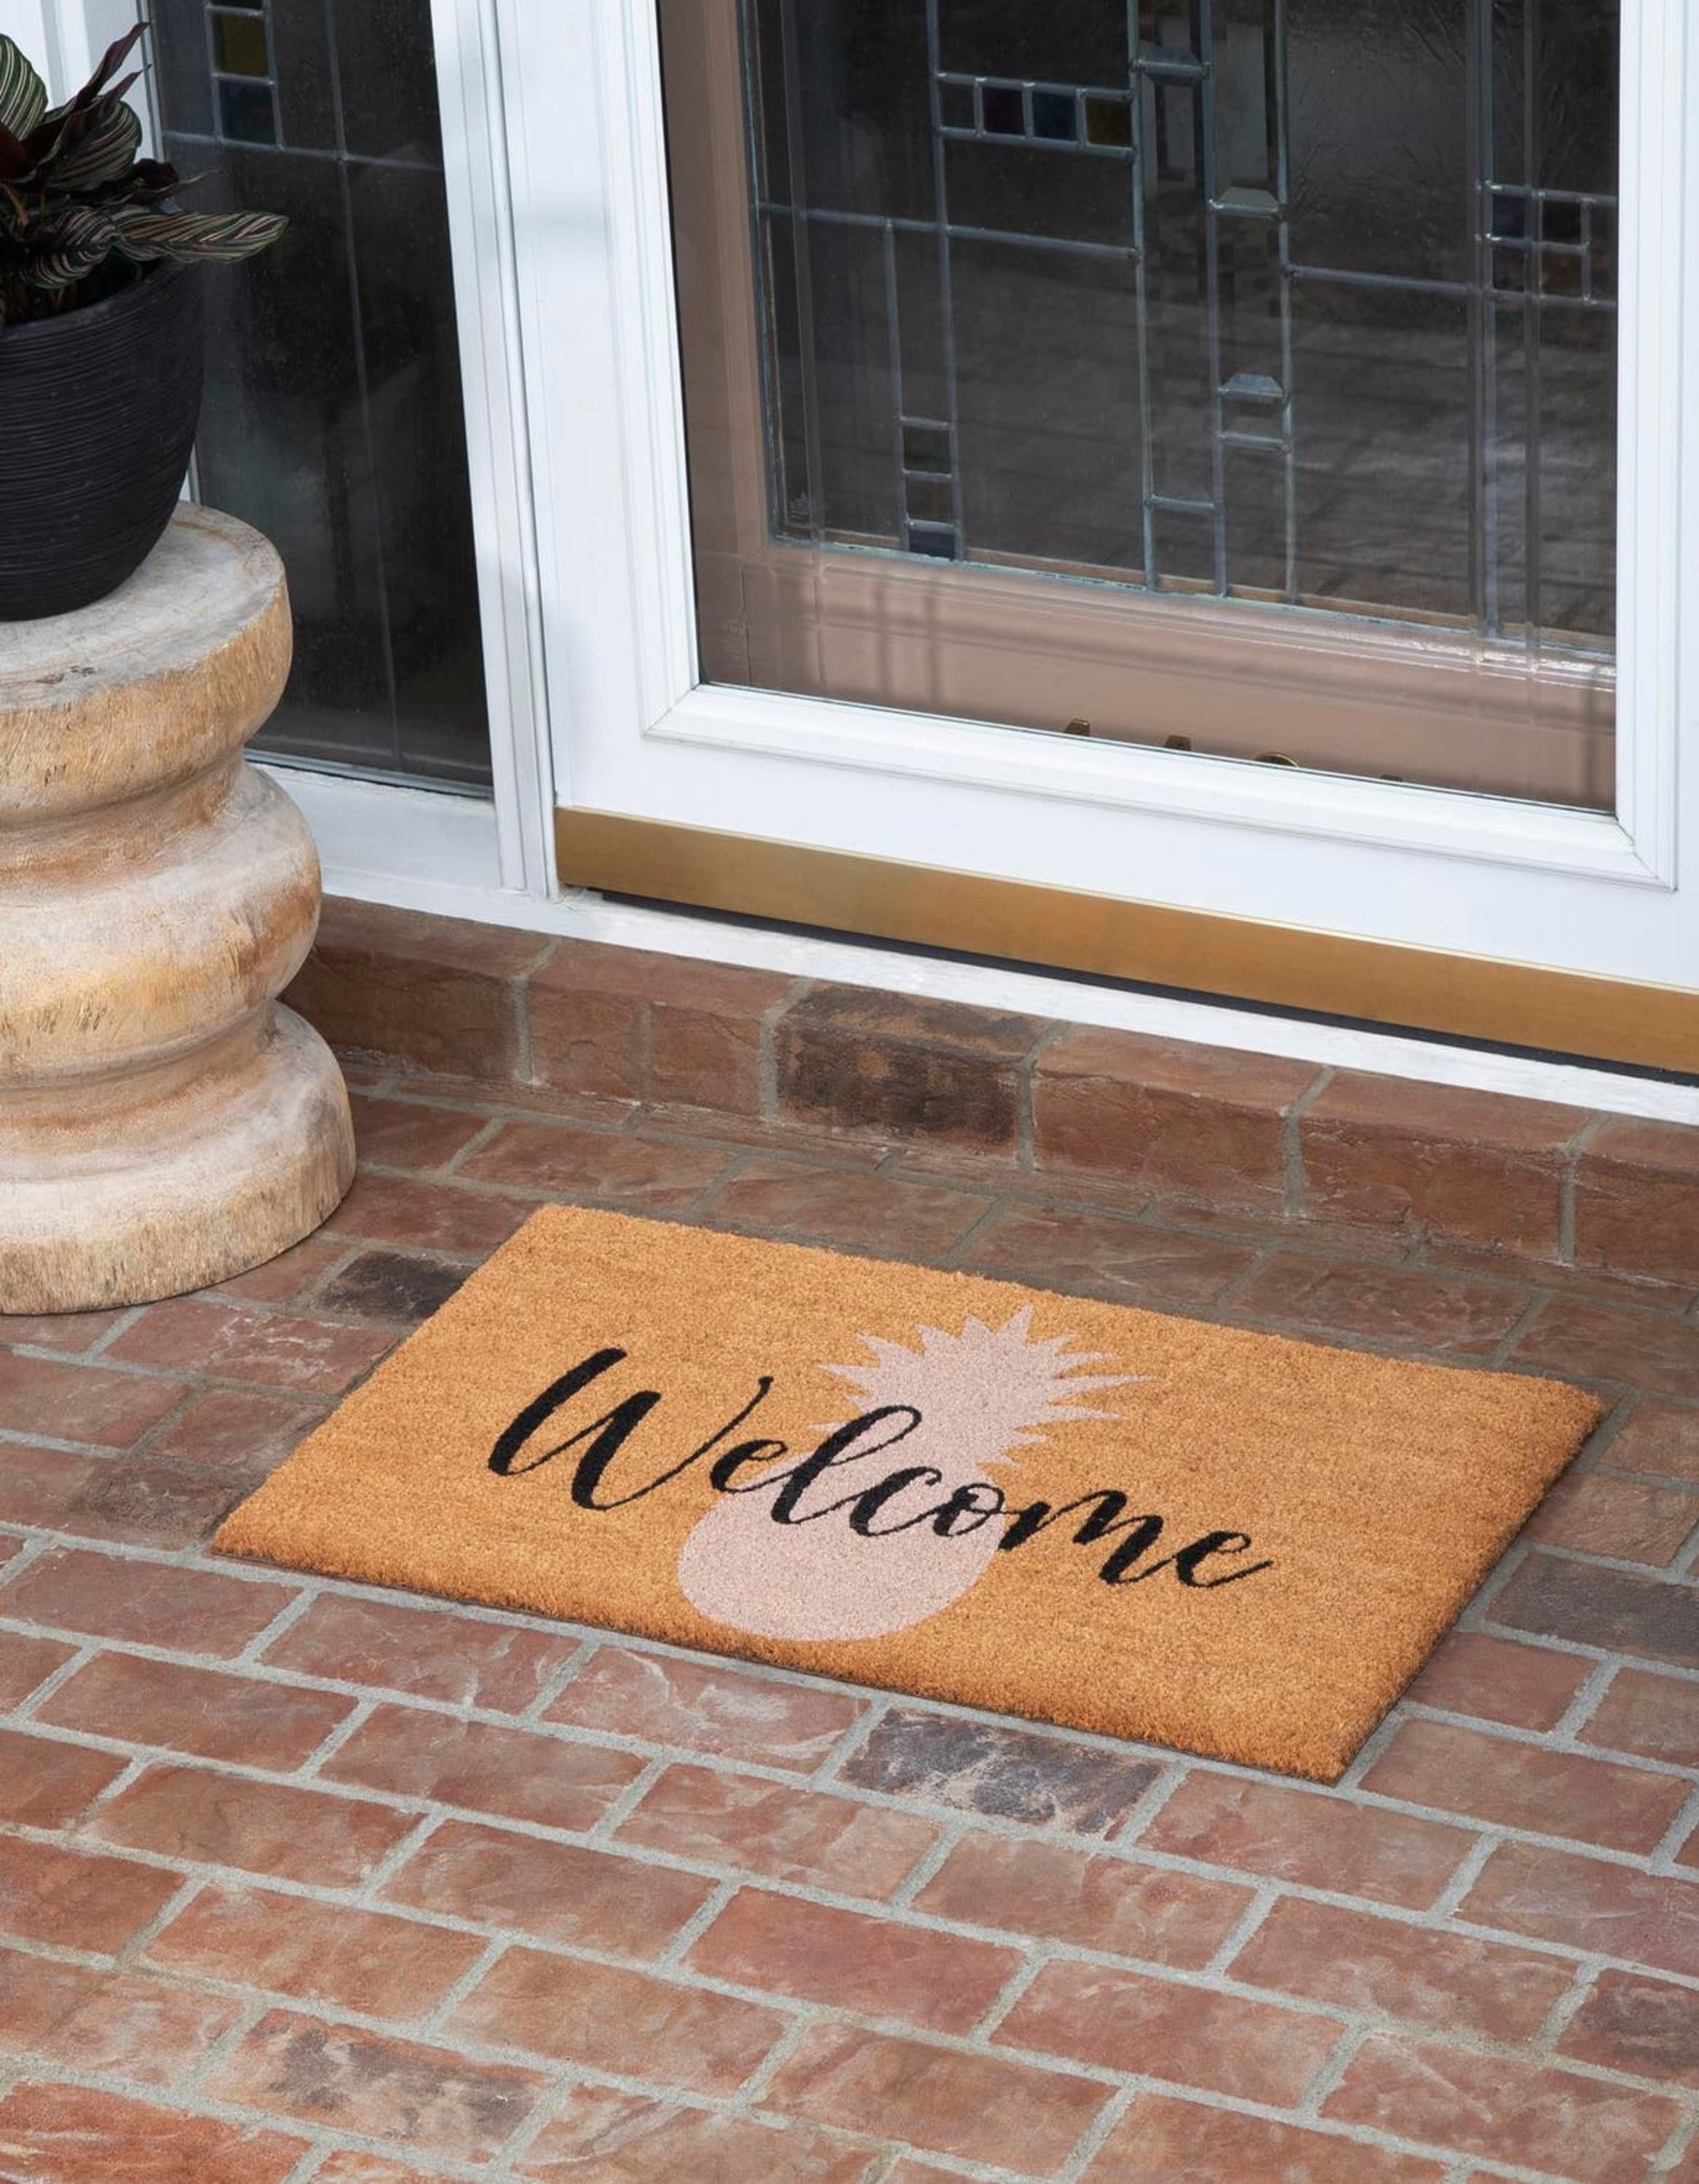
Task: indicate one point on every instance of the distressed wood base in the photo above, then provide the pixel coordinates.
(164, 1122)
(235, 1167)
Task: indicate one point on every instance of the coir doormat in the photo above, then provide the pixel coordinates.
(945, 1485)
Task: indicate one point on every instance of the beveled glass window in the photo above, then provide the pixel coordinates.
(333, 417)
(1238, 376)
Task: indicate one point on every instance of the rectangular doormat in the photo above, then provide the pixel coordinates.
(1116, 1520)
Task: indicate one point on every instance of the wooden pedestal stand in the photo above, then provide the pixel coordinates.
(163, 1123)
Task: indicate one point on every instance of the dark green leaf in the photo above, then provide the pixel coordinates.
(23, 95)
(99, 147)
(221, 235)
(14, 156)
(111, 61)
(147, 182)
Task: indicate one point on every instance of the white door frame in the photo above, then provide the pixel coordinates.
(635, 733)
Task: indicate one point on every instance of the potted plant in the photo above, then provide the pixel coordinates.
(100, 336)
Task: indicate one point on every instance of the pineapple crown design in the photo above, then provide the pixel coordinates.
(996, 1387)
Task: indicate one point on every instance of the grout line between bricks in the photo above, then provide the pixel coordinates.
(1686, 1824)
(1562, 2013)
(1330, 2073)
(1507, 1345)
(829, 1772)
(290, 1614)
(1294, 1180)
(1248, 1923)
(1097, 2135)
(927, 1867)
(1467, 1872)
(435, 2023)
(1581, 1708)
(672, 1958)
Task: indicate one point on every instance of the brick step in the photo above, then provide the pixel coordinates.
(580, 1026)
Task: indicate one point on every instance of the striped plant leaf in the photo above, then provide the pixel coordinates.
(23, 95)
(65, 247)
(221, 235)
(99, 146)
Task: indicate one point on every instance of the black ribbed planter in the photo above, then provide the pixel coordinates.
(98, 415)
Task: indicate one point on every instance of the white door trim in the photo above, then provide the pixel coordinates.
(70, 35)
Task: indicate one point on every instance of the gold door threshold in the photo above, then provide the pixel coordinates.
(1059, 929)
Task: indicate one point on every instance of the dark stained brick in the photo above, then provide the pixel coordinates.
(1010, 1773)
(1588, 1605)
(392, 1285)
(1647, 2027)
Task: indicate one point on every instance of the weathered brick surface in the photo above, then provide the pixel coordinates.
(1170, 2030)
(203, 1711)
(604, 2018)
(1259, 1827)
(319, 2072)
(435, 993)
(707, 1706)
(556, 1891)
(779, 1833)
(144, 1603)
(195, 1813)
(1439, 1161)
(483, 1765)
(1184, 1122)
(1528, 2112)
(362, 1638)
(316, 1952)
(1122, 1906)
(1458, 1770)
(1006, 1773)
(607, 2138)
(1161, 2140)
(853, 1960)
(883, 1064)
(1637, 1199)
(581, 1912)
(65, 2135)
(127, 2024)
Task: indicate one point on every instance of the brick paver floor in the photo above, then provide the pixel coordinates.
(307, 1880)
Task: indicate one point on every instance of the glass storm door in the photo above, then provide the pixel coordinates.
(1238, 376)
(334, 418)
(1204, 493)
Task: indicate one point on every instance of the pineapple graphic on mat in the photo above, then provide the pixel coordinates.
(980, 1395)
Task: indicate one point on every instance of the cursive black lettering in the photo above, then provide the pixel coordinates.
(1188, 1560)
(838, 1449)
(868, 1505)
(724, 1468)
(595, 1461)
(963, 1504)
(505, 1455)
(606, 1436)
(1104, 1521)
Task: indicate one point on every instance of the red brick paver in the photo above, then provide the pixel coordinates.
(313, 1882)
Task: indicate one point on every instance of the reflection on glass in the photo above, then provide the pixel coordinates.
(1307, 302)
(333, 415)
